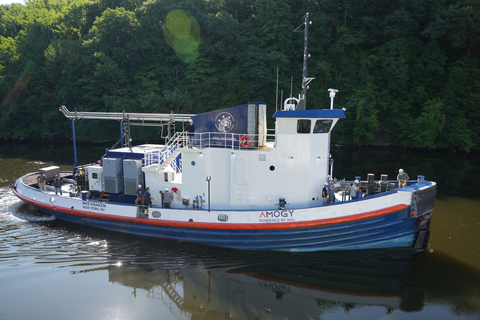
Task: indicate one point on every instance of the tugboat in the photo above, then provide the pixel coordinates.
(236, 184)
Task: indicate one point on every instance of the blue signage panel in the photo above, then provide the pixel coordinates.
(229, 120)
(221, 127)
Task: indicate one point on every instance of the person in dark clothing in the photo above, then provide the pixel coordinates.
(140, 195)
(57, 183)
(148, 198)
(190, 129)
(325, 192)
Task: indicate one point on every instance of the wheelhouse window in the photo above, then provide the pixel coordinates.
(322, 126)
(304, 126)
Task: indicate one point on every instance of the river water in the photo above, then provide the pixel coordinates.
(50, 269)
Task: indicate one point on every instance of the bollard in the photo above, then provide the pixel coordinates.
(384, 183)
(370, 178)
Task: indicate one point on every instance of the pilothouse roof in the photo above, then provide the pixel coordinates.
(317, 114)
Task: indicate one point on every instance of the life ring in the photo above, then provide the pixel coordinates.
(243, 139)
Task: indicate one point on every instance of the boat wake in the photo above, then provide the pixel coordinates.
(13, 209)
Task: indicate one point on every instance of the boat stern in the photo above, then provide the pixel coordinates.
(423, 203)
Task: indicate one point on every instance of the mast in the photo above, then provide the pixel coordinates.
(305, 80)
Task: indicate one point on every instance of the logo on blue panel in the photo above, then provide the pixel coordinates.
(224, 122)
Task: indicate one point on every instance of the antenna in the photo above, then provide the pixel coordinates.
(281, 96)
(291, 87)
(276, 95)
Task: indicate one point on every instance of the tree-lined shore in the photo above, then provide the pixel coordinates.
(408, 72)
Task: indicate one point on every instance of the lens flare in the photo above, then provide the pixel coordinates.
(20, 85)
(182, 33)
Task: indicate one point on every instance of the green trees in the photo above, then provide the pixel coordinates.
(408, 71)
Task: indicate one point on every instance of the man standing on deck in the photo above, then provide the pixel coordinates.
(140, 195)
(331, 191)
(57, 183)
(190, 129)
(42, 179)
(356, 192)
(402, 178)
(148, 198)
(167, 199)
(325, 193)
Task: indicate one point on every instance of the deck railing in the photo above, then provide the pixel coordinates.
(233, 140)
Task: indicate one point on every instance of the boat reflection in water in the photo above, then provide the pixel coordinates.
(263, 285)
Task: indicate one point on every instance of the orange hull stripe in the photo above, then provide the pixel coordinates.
(219, 225)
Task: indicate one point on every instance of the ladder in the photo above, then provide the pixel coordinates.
(168, 154)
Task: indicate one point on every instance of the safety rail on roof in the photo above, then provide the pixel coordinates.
(233, 140)
(168, 117)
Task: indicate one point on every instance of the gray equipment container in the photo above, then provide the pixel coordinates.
(50, 172)
(132, 175)
(112, 175)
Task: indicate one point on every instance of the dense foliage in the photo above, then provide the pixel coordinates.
(408, 71)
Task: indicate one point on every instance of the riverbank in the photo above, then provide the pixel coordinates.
(334, 146)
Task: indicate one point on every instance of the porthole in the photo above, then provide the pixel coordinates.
(52, 200)
(222, 217)
(156, 214)
(193, 163)
(272, 168)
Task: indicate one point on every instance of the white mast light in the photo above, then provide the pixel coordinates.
(332, 96)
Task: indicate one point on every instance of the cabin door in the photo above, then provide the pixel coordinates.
(239, 181)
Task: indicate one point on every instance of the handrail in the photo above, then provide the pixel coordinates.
(234, 141)
(160, 157)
